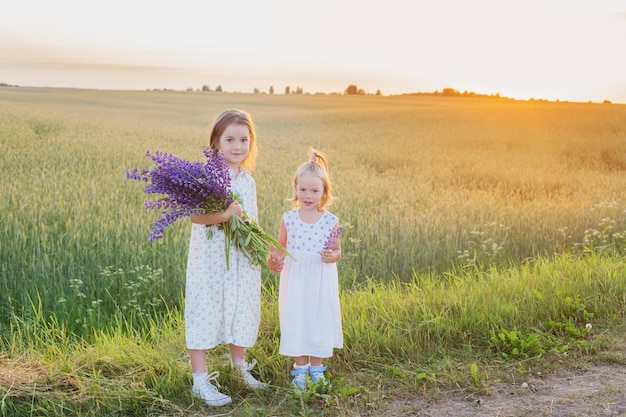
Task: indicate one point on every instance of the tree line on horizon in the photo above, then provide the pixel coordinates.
(353, 89)
(350, 90)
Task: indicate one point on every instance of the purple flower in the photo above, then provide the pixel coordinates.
(332, 237)
(136, 175)
(188, 187)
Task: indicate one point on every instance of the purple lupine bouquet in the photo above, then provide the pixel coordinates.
(197, 187)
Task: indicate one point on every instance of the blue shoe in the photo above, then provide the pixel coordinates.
(299, 376)
(317, 374)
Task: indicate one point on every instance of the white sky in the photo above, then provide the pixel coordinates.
(556, 49)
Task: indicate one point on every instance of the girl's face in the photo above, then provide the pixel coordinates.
(234, 144)
(309, 191)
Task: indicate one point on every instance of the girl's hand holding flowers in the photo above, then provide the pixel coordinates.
(330, 256)
(235, 209)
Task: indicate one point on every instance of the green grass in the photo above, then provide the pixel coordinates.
(424, 333)
(477, 233)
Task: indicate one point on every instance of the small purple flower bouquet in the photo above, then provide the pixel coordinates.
(332, 237)
(200, 188)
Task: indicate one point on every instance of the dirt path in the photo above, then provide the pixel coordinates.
(598, 391)
(589, 390)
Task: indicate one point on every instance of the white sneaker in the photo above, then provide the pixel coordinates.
(203, 388)
(244, 370)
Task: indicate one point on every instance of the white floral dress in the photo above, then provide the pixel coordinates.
(222, 306)
(310, 315)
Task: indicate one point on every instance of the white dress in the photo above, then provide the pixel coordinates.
(310, 315)
(222, 306)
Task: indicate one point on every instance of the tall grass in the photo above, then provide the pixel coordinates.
(412, 335)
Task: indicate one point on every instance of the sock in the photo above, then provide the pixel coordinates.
(197, 375)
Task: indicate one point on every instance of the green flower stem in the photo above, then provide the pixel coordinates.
(250, 239)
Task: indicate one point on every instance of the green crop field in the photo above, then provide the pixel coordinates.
(431, 191)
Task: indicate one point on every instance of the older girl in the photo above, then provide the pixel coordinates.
(223, 305)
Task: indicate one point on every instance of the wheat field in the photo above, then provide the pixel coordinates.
(422, 184)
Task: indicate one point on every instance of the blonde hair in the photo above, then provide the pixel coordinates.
(238, 117)
(317, 166)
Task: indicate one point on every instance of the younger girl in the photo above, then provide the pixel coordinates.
(310, 316)
(223, 305)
